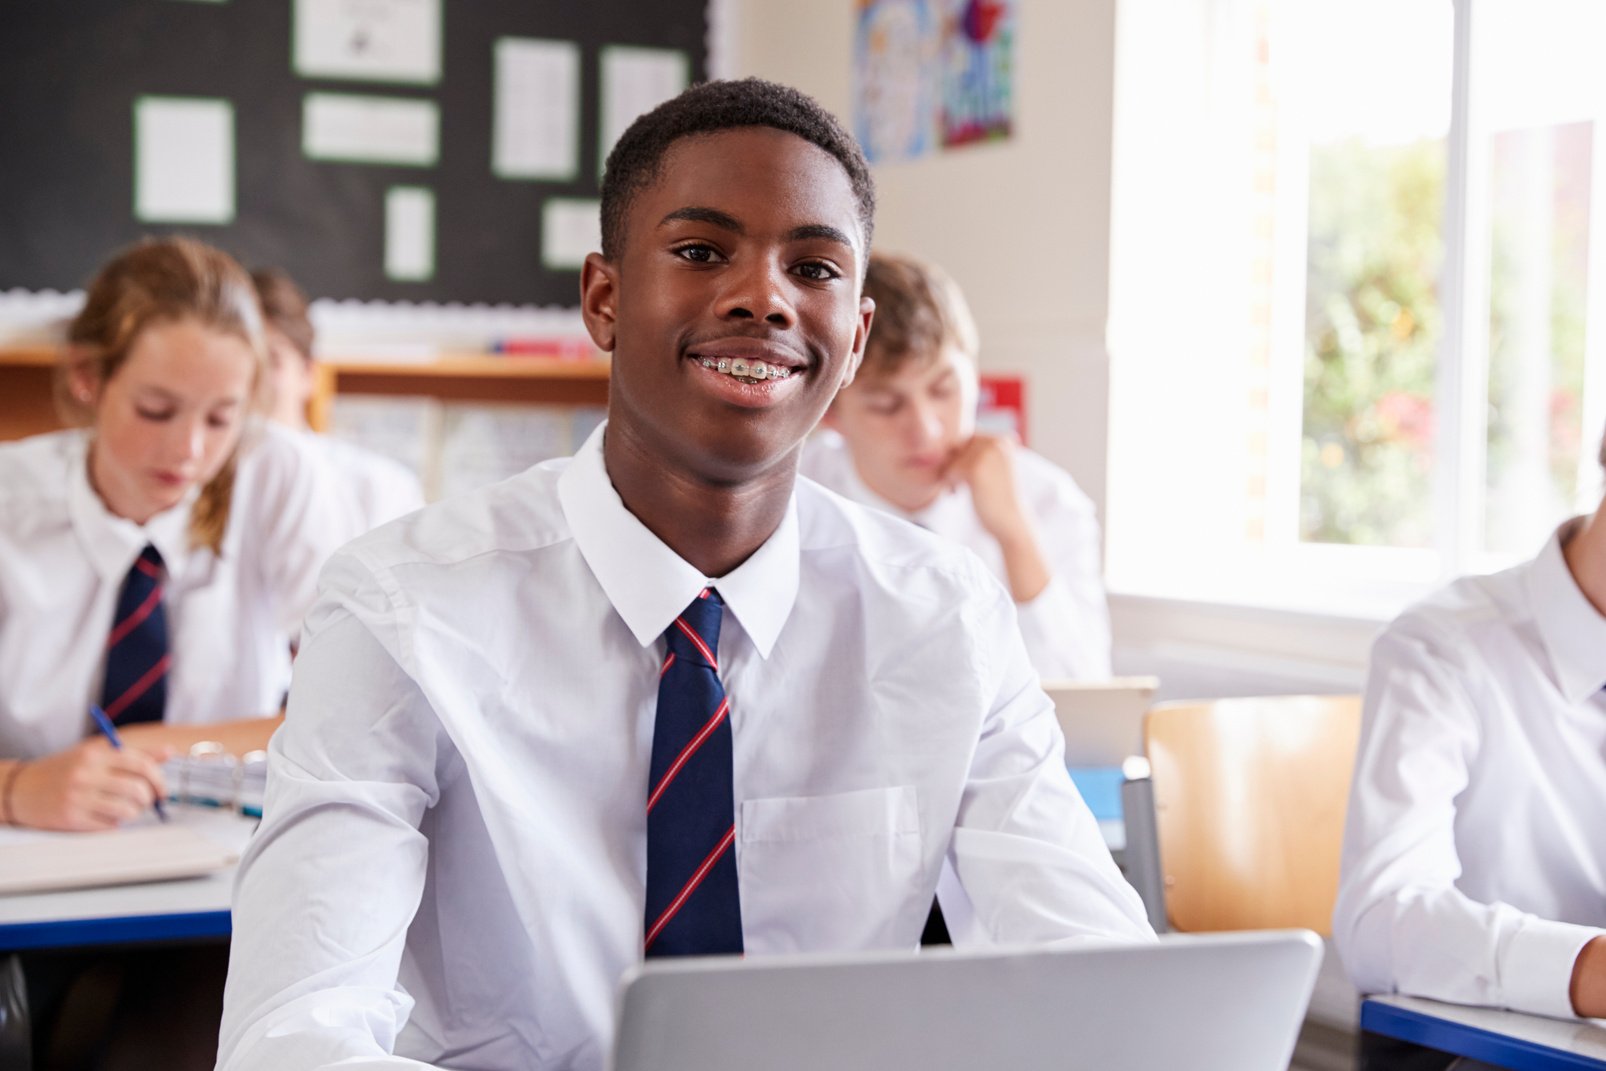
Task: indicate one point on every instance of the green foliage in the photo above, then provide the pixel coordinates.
(1373, 324)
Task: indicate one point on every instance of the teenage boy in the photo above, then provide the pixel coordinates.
(1473, 869)
(659, 698)
(903, 439)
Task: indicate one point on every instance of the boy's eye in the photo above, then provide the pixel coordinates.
(817, 272)
(155, 415)
(697, 253)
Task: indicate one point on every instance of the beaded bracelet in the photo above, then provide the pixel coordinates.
(6, 814)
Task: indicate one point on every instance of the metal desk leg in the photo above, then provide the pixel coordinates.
(1143, 848)
(16, 1035)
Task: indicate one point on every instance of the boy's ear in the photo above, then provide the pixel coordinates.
(599, 294)
(861, 334)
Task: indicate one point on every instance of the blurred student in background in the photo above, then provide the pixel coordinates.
(155, 560)
(1473, 869)
(379, 488)
(903, 438)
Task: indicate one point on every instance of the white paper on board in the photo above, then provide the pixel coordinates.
(378, 130)
(183, 160)
(369, 40)
(409, 233)
(535, 133)
(636, 80)
(570, 228)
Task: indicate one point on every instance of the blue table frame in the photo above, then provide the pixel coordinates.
(1502, 1038)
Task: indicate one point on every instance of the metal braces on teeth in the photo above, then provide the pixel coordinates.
(740, 366)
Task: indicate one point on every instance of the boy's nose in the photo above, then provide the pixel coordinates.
(758, 292)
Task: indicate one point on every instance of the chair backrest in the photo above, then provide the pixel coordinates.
(1249, 800)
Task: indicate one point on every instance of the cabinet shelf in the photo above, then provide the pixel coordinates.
(26, 407)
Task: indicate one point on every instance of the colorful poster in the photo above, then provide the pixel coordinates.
(978, 71)
(929, 74)
(894, 79)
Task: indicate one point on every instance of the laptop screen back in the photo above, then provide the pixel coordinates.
(1207, 1002)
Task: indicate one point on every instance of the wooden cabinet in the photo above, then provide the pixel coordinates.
(26, 406)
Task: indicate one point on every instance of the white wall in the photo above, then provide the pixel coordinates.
(1023, 225)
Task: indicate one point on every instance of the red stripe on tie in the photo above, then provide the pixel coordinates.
(667, 663)
(144, 566)
(691, 634)
(688, 751)
(705, 593)
(139, 687)
(131, 622)
(691, 885)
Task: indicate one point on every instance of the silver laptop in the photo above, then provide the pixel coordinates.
(1206, 1002)
(1102, 720)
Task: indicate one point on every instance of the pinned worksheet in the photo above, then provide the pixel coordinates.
(183, 160)
(536, 128)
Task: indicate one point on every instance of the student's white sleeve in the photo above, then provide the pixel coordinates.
(332, 878)
(1067, 626)
(1028, 864)
(1400, 923)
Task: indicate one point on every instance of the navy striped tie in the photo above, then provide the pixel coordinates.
(693, 905)
(137, 655)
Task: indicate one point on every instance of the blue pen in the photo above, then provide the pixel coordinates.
(110, 732)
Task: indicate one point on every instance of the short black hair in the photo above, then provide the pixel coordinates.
(710, 107)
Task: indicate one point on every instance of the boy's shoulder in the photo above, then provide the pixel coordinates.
(832, 526)
(519, 514)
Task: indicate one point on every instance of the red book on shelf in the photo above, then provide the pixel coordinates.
(564, 348)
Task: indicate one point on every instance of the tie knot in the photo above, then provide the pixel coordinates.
(150, 562)
(695, 633)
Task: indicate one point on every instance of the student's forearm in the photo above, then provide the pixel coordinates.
(1025, 566)
(1588, 989)
(237, 737)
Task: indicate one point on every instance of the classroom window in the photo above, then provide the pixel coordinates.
(1392, 237)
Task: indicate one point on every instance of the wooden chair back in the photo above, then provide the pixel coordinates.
(1249, 800)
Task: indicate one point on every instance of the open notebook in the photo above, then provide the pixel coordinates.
(37, 861)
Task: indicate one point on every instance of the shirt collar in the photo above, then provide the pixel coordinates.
(1573, 632)
(648, 583)
(112, 542)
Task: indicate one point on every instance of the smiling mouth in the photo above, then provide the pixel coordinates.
(744, 370)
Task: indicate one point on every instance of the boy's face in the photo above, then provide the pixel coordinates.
(746, 249)
(903, 427)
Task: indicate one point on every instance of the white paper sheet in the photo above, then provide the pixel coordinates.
(183, 160)
(410, 233)
(570, 228)
(536, 128)
(375, 130)
(369, 40)
(635, 80)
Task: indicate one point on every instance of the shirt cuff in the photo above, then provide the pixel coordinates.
(1536, 970)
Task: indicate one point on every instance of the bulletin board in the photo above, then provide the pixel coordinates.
(380, 150)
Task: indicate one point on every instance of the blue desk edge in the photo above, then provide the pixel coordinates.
(73, 933)
(1470, 1041)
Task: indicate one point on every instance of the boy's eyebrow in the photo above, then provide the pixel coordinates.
(818, 230)
(726, 221)
(695, 214)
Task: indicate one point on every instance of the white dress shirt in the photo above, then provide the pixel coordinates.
(1474, 869)
(1067, 626)
(64, 557)
(453, 860)
(379, 488)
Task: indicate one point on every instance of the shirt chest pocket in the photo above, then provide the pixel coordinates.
(837, 872)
